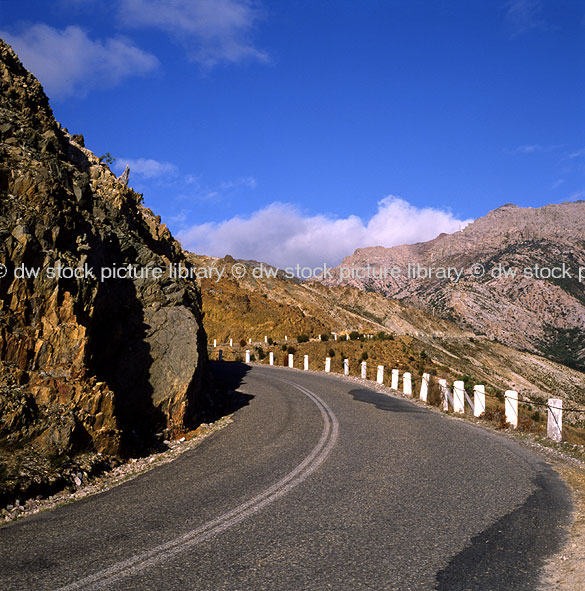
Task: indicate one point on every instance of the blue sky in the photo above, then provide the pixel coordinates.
(299, 131)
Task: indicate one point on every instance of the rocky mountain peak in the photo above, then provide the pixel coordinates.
(541, 314)
(22, 92)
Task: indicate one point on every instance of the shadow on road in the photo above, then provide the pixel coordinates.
(384, 402)
(227, 378)
(508, 555)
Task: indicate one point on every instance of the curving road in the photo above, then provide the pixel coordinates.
(320, 483)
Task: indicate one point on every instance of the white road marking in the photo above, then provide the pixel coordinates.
(134, 565)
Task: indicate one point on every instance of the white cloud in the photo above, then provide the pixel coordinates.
(146, 167)
(212, 31)
(196, 191)
(577, 196)
(528, 149)
(249, 182)
(576, 154)
(281, 235)
(192, 179)
(533, 149)
(524, 15)
(67, 62)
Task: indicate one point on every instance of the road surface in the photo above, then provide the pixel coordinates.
(320, 483)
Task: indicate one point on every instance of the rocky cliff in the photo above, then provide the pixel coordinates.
(85, 364)
(505, 291)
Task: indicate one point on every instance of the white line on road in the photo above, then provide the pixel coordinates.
(134, 565)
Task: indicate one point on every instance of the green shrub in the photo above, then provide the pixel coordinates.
(468, 383)
(107, 158)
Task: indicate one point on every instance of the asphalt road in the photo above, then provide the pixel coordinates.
(320, 483)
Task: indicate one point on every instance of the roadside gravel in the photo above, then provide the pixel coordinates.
(118, 475)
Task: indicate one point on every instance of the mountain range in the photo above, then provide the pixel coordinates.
(520, 283)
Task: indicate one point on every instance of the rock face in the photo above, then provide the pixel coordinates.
(533, 313)
(85, 364)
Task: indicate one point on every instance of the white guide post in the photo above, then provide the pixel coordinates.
(459, 396)
(271, 358)
(249, 341)
(554, 427)
(364, 370)
(478, 400)
(231, 342)
(394, 380)
(265, 340)
(327, 364)
(247, 356)
(346, 367)
(380, 374)
(407, 384)
(214, 343)
(306, 363)
(511, 398)
(424, 387)
(290, 360)
(444, 397)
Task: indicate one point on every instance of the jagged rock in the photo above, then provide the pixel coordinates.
(78, 139)
(84, 363)
(125, 176)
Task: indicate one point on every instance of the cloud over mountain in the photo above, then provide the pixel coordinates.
(69, 62)
(282, 235)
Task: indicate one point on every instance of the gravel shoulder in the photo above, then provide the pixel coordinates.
(117, 476)
(566, 570)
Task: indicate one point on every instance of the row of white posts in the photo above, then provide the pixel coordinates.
(249, 341)
(335, 336)
(457, 398)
